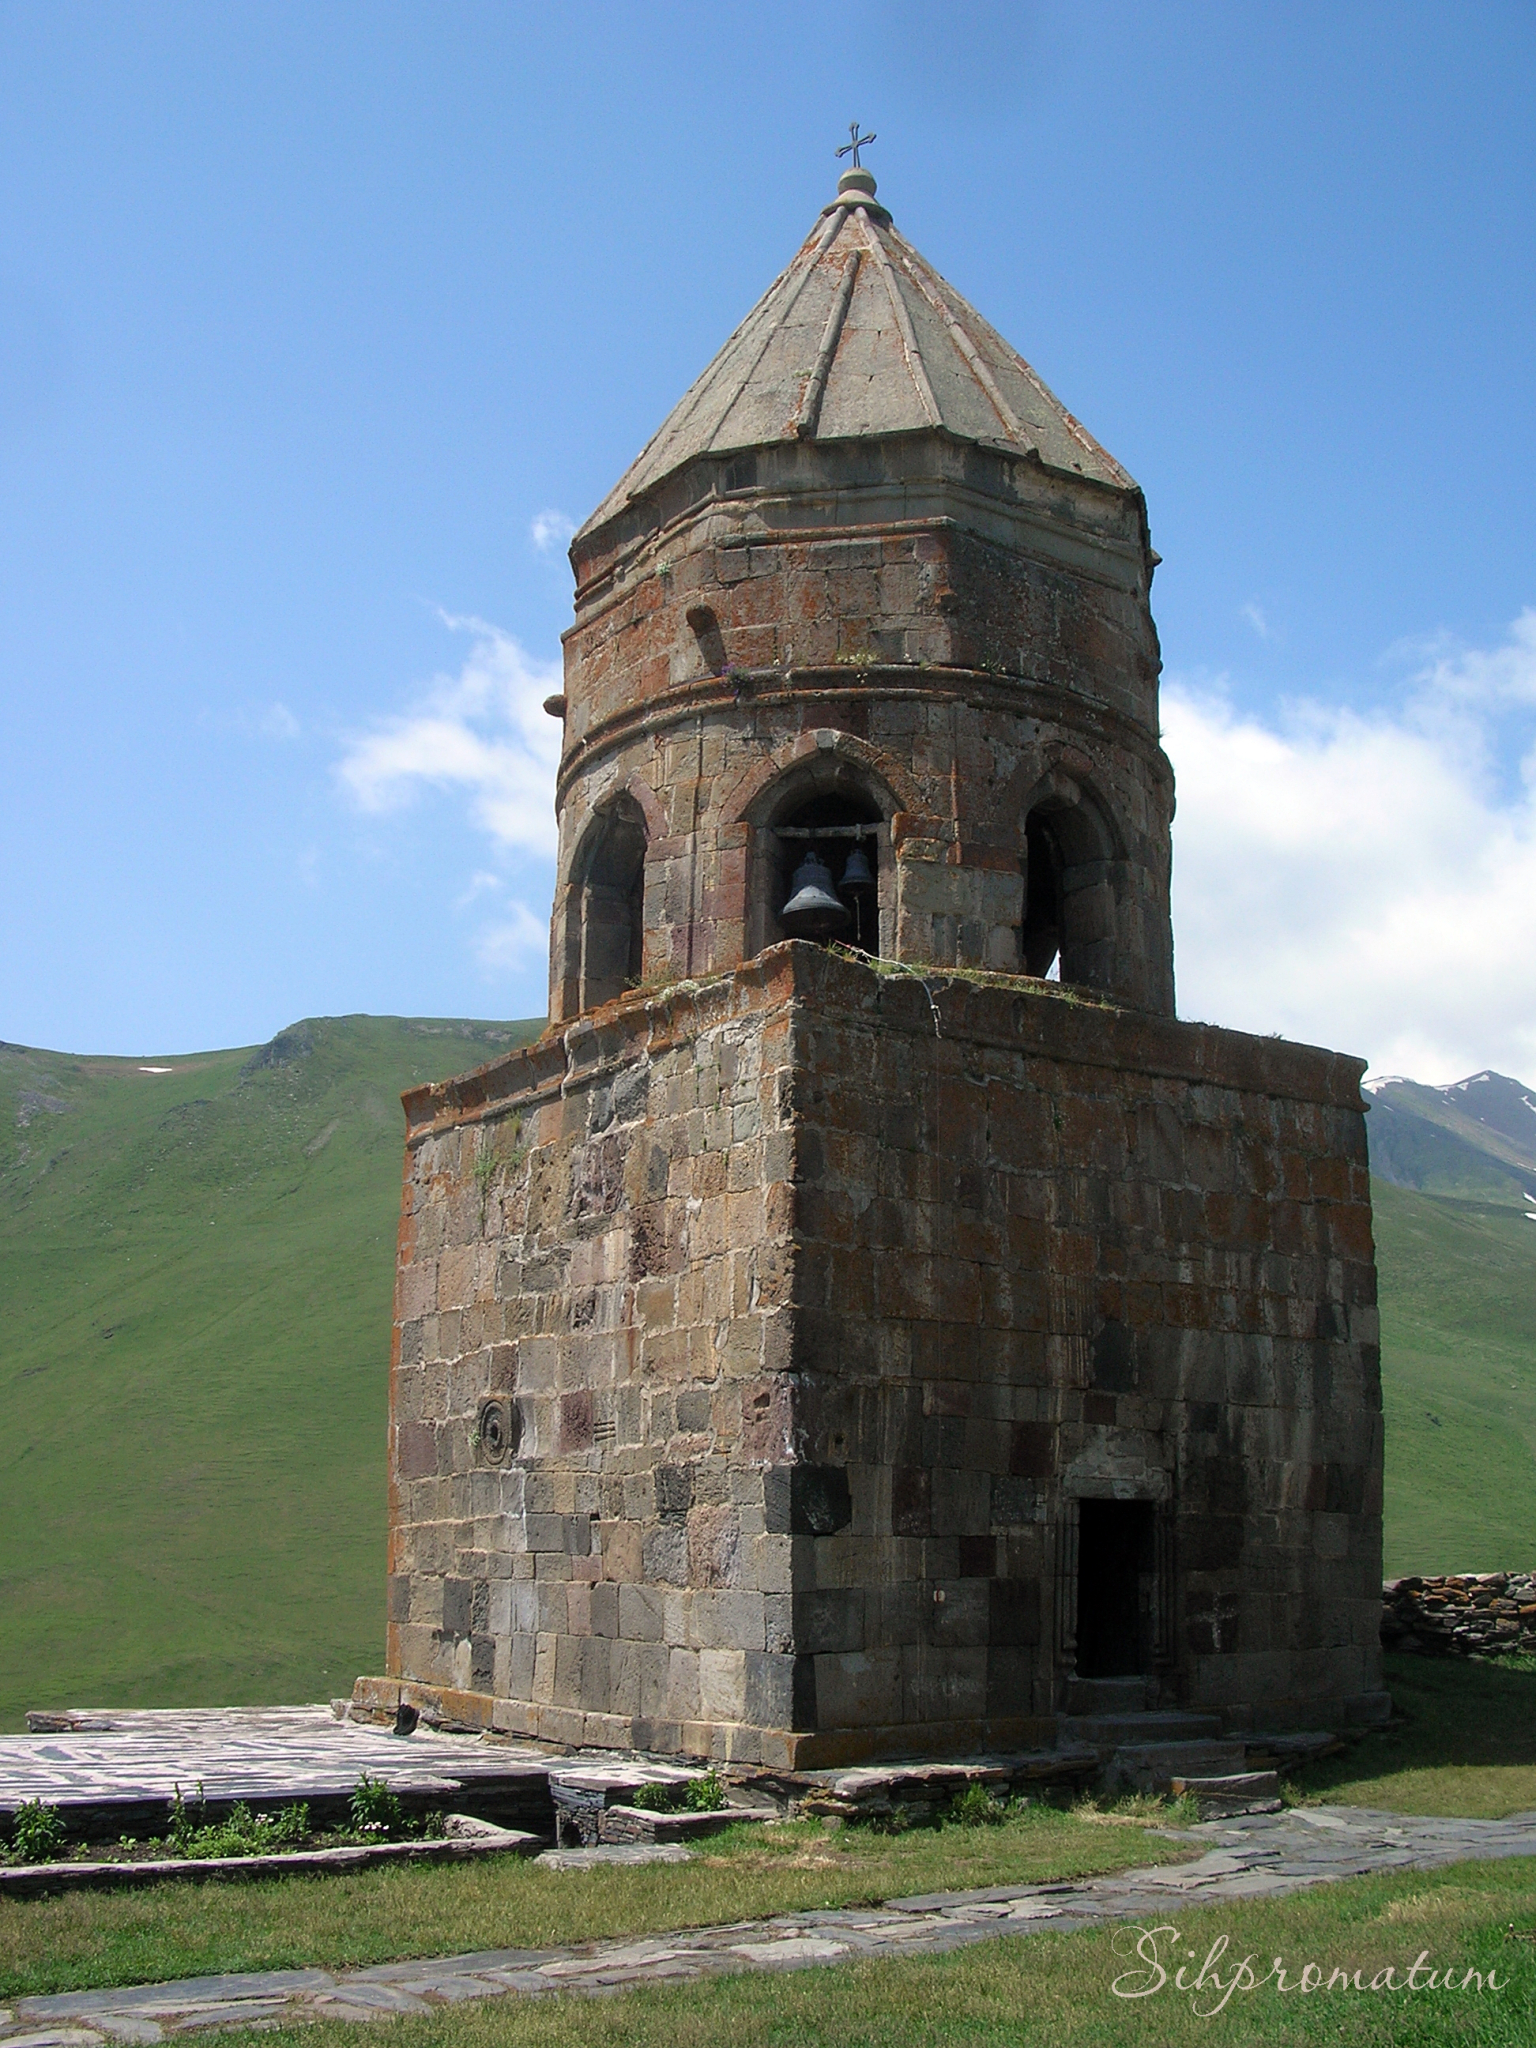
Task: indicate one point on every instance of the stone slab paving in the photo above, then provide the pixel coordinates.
(240, 1753)
(1258, 1856)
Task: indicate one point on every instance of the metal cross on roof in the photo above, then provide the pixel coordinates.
(855, 143)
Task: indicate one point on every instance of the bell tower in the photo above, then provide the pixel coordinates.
(863, 650)
(816, 1351)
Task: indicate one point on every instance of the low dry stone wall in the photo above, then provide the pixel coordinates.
(1461, 1614)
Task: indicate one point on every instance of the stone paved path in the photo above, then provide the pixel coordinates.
(240, 1753)
(1261, 1856)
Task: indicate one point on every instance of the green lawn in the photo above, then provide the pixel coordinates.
(1462, 1740)
(183, 1930)
(1055, 1990)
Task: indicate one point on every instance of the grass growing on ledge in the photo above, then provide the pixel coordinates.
(931, 975)
(83, 1938)
(661, 981)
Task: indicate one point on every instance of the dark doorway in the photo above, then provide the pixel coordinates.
(1116, 1588)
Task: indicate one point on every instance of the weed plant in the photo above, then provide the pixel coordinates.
(240, 1833)
(705, 1794)
(376, 1811)
(37, 1833)
(976, 1807)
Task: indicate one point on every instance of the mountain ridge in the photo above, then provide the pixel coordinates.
(1474, 1139)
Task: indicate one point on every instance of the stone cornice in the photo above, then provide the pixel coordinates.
(1014, 1013)
(988, 689)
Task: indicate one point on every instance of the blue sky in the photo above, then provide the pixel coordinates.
(309, 313)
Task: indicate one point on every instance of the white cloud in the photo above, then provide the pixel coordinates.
(484, 732)
(481, 883)
(1471, 675)
(550, 530)
(1255, 616)
(279, 723)
(517, 942)
(1367, 882)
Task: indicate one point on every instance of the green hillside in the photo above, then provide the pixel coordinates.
(195, 1276)
(1456, 1248)
(195, 1269)
(1458, 1315)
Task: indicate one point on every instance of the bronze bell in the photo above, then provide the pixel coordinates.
(813, 910)
(858, 880)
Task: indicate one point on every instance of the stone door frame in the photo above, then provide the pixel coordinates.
(1066, 1528)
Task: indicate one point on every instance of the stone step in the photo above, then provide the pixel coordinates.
(1222, 1798)
(1107, 1695)
(640, 1824)
(582, 1793)
(1109, 1731)
(1290, 1750)
(1152, 1766)
(926, 1791)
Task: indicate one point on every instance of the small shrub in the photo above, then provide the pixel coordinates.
(976, 1808)
(38, 1831)
(662, 1798)
(375, 1808)
(183, 1827)
(706, 1794)
(292, 1823)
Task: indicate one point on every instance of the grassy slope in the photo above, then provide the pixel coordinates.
(1458, 1292)
(195, 1274)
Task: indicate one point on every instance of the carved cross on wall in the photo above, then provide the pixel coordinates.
(854, 144)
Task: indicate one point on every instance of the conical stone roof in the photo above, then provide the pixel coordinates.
(861, 337)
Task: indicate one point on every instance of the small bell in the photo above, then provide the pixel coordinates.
(857, 878)
(813, 910)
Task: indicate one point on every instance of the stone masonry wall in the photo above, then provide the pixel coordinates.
(977, 636)
(808, 1303)
(1047, 1251)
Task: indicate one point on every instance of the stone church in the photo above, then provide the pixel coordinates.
(867, 1313)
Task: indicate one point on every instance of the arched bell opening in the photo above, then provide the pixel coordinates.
(606, 936)
(828, 872)
(1068, 932)
(1040, 939)
(821, 860)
